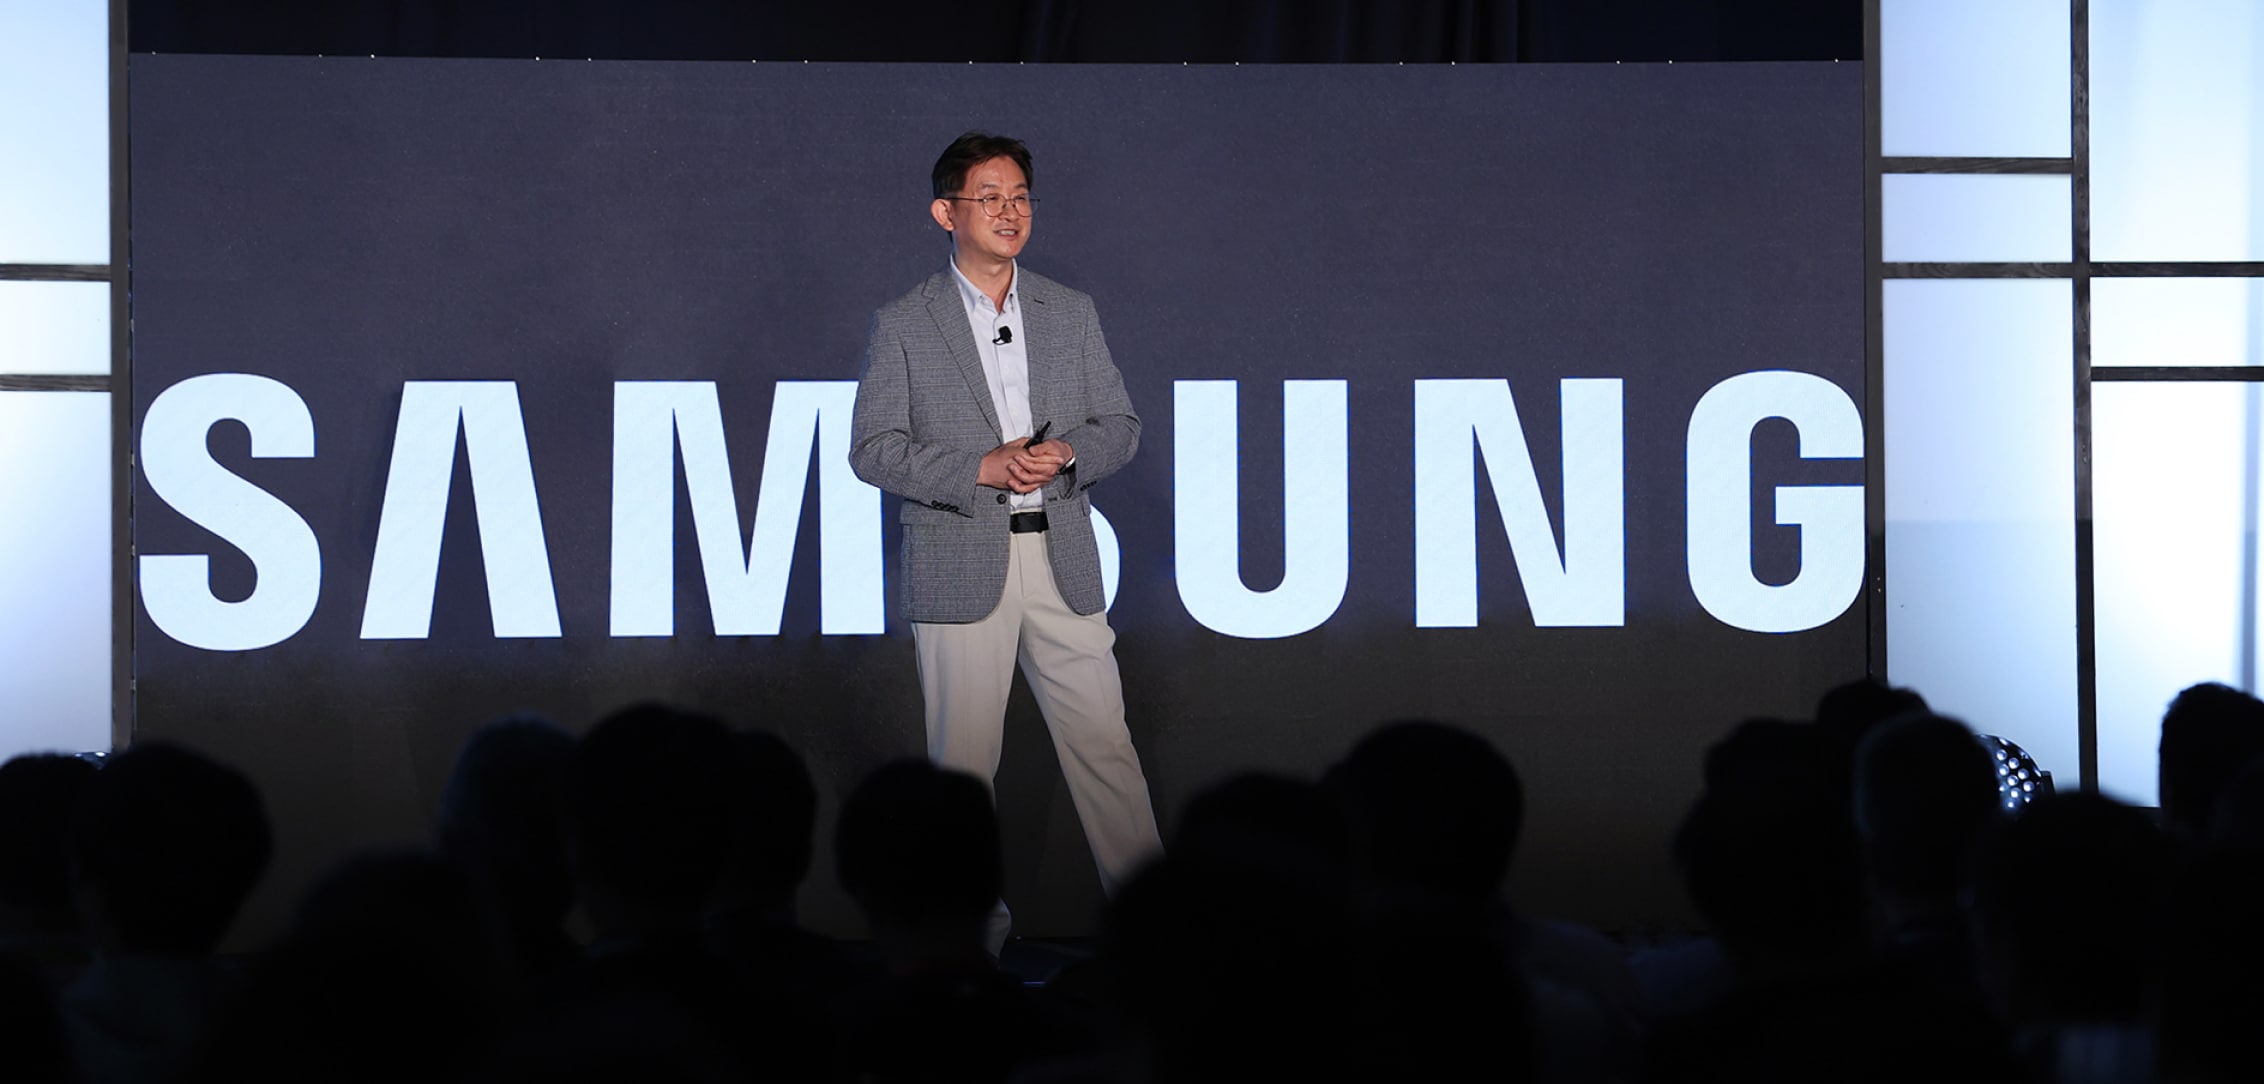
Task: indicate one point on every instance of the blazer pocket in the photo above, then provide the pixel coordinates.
(911, 512)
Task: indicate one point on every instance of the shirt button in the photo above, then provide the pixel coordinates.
(1002, 498)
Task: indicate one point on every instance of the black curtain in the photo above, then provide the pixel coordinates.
(1036, 31)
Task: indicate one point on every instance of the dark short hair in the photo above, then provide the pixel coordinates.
(2067, 892)
(1433, 806)
(776, 809)
(648, 804)
(502, 812)
(174, 841)
(1853, 709)
(1925, 789)
(39, 793)
(2209, 733)
(917, 843)
(974, 149)
(1768, 854)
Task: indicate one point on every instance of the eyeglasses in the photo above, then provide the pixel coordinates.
(995, 204)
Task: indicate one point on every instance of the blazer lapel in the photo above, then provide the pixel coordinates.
(1043, 336)
(950, 316)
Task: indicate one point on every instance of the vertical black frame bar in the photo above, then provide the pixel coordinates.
(1874, 354)
(2079, 201)
(121, 400)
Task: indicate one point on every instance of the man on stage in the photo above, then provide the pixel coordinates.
(988, 402)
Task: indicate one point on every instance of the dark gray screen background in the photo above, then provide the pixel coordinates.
(343, 225)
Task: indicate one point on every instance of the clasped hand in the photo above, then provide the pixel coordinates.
(1022, 467)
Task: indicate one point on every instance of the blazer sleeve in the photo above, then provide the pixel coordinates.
(1109, 433)
(882, 450)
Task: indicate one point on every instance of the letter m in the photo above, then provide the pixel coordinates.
(746, 586)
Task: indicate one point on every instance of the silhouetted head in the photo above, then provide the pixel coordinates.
(38, 1049)
(1432, 806)
(2065, 897)
(2208, 999)
(502, 814)
(167, 844)
(1779, 755)
(917, 848)
(400, 900)
(389, 973)
(1851, 710)
(39, 794)
(2238, 822)
(1225, 969)
(2209, 734)
(1232, 964)
(649, 815)
(1256, 816)
(776, 807)
(1768, 853)
(1924, 789)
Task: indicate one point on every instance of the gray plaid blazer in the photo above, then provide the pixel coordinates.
(924, 419)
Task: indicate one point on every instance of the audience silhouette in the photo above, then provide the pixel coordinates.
(1772, 857)
(39, 923)
(2067, 897)
(917, 849)
(2209, 734)
(394, 970)
(165, 846)
(651, 820)
(2207, 999)
(502, 821)
(1436, 812)
(1925, 790)
(33, 1046)
(1871, 911)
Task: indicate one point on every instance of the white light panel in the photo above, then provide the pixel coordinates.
(55, 566)
(2177, 321)
(55, 131)
(1991, 217)
(2177, 96)
(57, 328)
(1981, 506)
(1985, 78)
(2174, 481)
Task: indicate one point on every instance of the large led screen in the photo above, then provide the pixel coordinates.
(1523, 397)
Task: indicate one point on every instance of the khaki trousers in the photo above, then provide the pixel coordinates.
(1070, 662)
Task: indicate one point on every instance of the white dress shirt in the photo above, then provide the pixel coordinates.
(1006, 366)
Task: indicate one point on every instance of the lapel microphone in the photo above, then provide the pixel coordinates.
(1005, 336)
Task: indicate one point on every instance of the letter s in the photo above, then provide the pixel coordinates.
(176, 589)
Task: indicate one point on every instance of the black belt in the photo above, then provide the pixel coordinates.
(1026, 522)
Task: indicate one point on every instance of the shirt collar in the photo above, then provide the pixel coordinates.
(974, 298)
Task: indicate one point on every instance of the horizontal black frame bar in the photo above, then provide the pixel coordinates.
(54, 272)
(2247, 374)
(2061, 166)
(2059, 270)
(41, 382)
(2197, 269)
